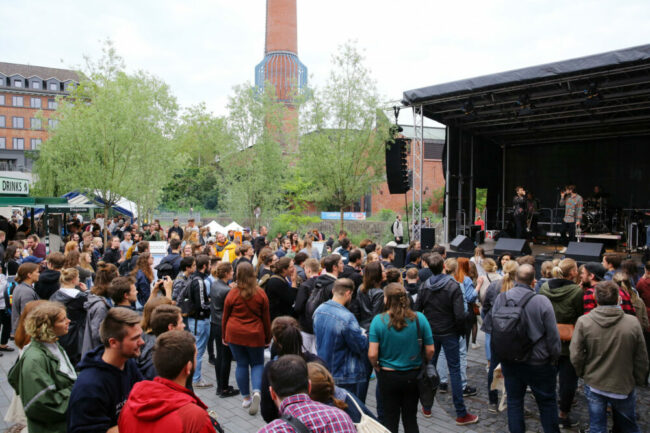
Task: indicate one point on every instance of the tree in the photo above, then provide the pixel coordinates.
(112, 136)
(341, 153)
(253, 170)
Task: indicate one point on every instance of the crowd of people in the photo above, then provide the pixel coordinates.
(109, 342)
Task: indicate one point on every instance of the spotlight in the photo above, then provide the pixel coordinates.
(593, 97)
(469, 110)
(524, 104)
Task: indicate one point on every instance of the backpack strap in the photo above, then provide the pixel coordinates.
(297, 425)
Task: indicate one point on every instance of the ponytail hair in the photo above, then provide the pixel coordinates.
(509, 273)
(322, 385)
(397, 305)
(286, 333)
(564, 268)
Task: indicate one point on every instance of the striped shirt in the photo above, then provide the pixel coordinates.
(589, 301)
(572, 209)
(317, 417)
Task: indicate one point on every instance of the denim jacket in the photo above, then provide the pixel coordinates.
(340, 343)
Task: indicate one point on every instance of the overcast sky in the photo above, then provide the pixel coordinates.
(202, 48)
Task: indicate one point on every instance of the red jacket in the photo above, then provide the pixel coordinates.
(246, 322)
(161, 405)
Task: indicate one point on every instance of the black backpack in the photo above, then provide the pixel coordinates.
(509, 340)
(319, 295)
(125, 267)
(185, 302)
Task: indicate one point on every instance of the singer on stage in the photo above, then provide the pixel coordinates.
(572, 203)
(519, 209)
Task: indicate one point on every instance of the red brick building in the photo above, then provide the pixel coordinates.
(26, 91)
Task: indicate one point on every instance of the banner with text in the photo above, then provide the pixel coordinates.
(347, 216)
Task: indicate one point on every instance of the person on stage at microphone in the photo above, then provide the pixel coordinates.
(572, 203)
(519, 209)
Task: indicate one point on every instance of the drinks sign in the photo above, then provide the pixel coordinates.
(9, 185)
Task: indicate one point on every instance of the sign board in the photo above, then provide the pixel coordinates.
(10, 185)
(158, 247)
(347, 216)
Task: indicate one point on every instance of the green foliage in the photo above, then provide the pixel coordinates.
(193, 187)
(112, 137)
(481, 199)
(341, 155)
(386, 215)
(292, 222)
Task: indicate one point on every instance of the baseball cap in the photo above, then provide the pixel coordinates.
(597, 269)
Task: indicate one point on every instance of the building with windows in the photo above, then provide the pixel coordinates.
(26, 91)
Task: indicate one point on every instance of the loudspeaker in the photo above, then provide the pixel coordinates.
(518, 247)
(585, 251)
(397, 167)
(479, 237)
(427, 238)
(400, 256)
(461, 243)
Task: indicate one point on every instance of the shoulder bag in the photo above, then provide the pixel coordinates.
(566, 331)
(367, 424)
(428, 379)
(297, 425)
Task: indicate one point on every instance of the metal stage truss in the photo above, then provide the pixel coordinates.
(417, 155)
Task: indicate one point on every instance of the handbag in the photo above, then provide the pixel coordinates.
(367, 424)
(428, 379)
(566, 331)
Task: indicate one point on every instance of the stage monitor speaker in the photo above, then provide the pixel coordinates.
(399, 261)
(585, 251)
(462, 243)
(518, 247)
(397, 167)
(479, 237)
(427, 238)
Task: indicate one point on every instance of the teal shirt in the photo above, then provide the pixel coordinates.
(399, 350)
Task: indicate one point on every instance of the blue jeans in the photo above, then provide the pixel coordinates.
(623, 412)
(246, 357)
(201, 330)
(488, 339)
(451, 344)
(541, 379)
(359, 389)
(443, 372)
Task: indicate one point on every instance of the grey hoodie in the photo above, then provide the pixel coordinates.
(540, 318)
(21, 296)
(96, 307)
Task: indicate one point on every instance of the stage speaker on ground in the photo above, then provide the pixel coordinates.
(462, 243)
(400, 256)
(427, 238)
(397, 167)
(585, 251)
(518, 247)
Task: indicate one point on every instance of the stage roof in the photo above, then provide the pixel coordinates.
(603, 95)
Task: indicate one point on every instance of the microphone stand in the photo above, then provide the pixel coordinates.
(557, 205)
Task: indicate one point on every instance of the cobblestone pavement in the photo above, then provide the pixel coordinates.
(235, 419)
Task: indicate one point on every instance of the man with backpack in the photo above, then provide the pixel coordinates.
(322, 291)
(195, 302)
(526, 340)
(172, 259)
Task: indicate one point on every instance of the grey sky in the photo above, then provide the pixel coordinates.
(202, 48)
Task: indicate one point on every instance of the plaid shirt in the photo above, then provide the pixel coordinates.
(317, 417)
(573, 208)
(589, 301)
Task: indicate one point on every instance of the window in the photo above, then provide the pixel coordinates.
(52, 104)
(36, 84)
(36, 143)
(19, 122)
(2, 81)
(2, 122)
(2, 99)
(18, 83)
(35, 103)
(17, 101)
(54, 86)
(3, 143)
(19, 143)
(52, 123)
(36, 123)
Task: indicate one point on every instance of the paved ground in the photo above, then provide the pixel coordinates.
(235, 419)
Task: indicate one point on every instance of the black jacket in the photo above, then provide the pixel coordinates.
(199, 296)
(48, 283)
(175, 260)
(112, 256)
(281, 297)
(367, 305)
(218, 292)
(441, 301)
(76, 312)
(353, 274)
(304, 290)
(173, 229)
(145, 360)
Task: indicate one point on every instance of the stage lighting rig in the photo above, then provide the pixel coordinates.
(469, 110)
(524, 105)
(593, 97)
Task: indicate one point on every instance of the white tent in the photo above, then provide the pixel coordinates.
(234, 226)
(215, 227)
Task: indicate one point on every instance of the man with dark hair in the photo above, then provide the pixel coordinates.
(441, 301)
(387, 257)
(353, 269)
(344, 250)
(439, 249)
(415, 257)
(165, 404)
(106, 374)
(112, 254)
(398, 230)
(608, 352)
(425, 273)
(519, 212)
(173, 258)
(199, 317)
(290, 386)
(340, 341)
(312, 269)
(123, 292)
(333, 265)
(298, 260)
(260, 241)
(612, 263)
(175, 228)
(285, 247)
(187, 267)
(537, 369)
(35, 247)
(166, 318)
(342, 235)
(572, 203)
(49, 280)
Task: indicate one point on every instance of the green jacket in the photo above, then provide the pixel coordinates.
(566, 298)
(608, 350)
(43, 389)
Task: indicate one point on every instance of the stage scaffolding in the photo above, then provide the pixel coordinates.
(417, 155)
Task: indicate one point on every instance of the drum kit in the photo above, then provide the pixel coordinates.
(594, 216)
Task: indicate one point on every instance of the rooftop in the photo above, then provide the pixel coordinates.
(42, 72)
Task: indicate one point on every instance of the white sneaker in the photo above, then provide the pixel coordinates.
(562, 250)
(255, 403)
(246, 403)
(475, 346)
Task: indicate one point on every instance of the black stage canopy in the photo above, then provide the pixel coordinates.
(584, 121)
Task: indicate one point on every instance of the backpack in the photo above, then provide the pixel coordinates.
(8, 294)
(510, 341)
(125, 267)
(185, 302)
(319, 295)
